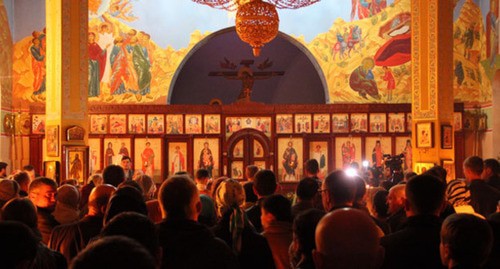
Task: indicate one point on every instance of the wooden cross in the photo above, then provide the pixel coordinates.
(246, 75)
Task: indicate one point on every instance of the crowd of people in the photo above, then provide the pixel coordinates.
(342, 221)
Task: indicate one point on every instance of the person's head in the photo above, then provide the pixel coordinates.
(126, 163)
(337, 190)
(99, 198)
(91, 37)
(311, 168)
(22, 210)
(110, 145)
(229, 195)
(457, 193)
(113, 175)
(396, 198)
(3, 169)
(250, 196)
(30, 169)
(96, 179)
(8, 189)
(202, 176)
(424, 195)
(437, 171)
(409, 175)
(359, 195)
(135, 226)
(18, 244)
(473, 167)
(347, 238)
(148, 144)
(42, 192)
(307, 189)
(148, 186)
(491, 168)
(304, 226)
(466, 240)
(114, 252)
(179, 199)
(125, 199)
(250, 172)
(23, 179)
(265, 183)
(275, 208)
(380, 204)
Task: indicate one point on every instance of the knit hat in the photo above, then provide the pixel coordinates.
(68, 195)
(8, 189)
(457, 193)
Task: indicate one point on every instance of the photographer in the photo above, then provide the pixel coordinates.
(394, 165)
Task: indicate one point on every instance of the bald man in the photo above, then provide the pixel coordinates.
(347, 238)
(72, 238)
(395, 207)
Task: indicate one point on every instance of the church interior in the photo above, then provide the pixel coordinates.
(172, 85)
(249, 134)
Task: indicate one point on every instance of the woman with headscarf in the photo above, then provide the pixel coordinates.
(235, 229)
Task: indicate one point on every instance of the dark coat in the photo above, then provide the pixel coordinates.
(253, 214)
(255, 251)
(415, 245)
(279, 235)
(189, 244)
(72, 238)
(483, 197)
(46, 222)
(396, 220)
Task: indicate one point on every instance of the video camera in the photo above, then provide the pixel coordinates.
(394, 162)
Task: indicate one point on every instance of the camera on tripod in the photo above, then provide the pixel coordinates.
(394, 162)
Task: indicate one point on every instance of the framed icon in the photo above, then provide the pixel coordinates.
(117, 124)
(303, 123)
(446, 136)
(378, 123)
(340, 123)
(284, 123)
(52, 140)
(76, 163)
(425, 135)
(136, 124)
(321, 123)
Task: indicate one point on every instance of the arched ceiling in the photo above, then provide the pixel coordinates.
(302, 82)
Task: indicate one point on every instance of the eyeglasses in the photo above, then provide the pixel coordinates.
(48, 195)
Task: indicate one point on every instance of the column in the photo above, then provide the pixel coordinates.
(67, 78)
(6, 119)
(432, 80)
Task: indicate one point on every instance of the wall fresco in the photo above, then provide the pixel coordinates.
(362, 47)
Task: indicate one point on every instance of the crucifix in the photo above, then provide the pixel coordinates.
(246, 75)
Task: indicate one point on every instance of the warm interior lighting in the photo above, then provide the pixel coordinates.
(257, 21)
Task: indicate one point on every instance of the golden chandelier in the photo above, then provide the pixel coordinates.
(257, 21)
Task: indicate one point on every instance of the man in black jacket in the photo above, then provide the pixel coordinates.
(416, 244)
(72, 238)
(265, 185)
(185, 242)
(42, 192)
(484, 198)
